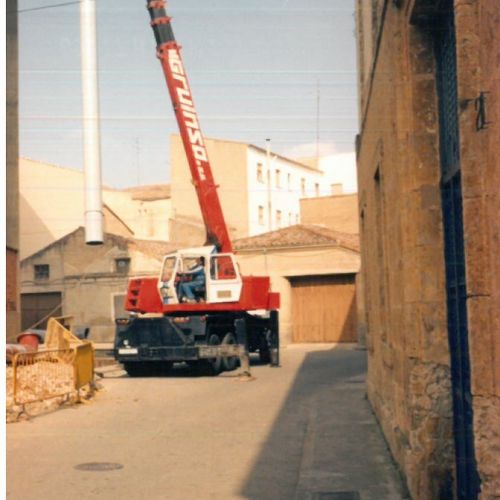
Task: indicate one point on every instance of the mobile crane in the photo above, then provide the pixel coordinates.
(230, 309)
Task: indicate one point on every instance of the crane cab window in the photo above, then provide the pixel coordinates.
(189, 263)
(168, 269)
(222, 268)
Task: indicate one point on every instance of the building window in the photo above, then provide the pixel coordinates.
(296, 218)
(278, 178)
(303, 186)
(261, 215)
(122, 265)
(290, 220)
(42, 272)
(260, 172)
(316, 189)
(278, 218)
(289, 182)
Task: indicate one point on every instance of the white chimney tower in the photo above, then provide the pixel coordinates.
(91, 132)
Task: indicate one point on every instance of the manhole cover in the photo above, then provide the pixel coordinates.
(99, 466)
(337, 495)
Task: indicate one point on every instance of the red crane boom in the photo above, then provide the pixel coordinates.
(168, 51)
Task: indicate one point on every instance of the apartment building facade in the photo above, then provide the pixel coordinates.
(259, 190)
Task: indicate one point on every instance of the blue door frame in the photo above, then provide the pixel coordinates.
(456, 289)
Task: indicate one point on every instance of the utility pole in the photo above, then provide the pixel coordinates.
(137, 162)
(269, 193)
(317, 123)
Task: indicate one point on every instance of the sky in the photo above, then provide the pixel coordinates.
(278, 69)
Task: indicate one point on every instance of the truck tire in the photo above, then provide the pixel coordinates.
(230, 364)
(215, 364)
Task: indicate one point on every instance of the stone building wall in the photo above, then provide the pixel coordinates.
(478, 66)
(92, 288)
(409, 384)
(12, 314)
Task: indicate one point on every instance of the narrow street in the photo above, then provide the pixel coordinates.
(301, 431)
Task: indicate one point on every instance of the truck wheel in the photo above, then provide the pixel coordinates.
(215, 364)
(229, 364)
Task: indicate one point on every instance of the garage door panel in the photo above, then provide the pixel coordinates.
(348, 330)
(36, 306)
(324, 309)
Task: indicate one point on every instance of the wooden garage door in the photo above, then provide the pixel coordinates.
(35, 306)
(324, 308)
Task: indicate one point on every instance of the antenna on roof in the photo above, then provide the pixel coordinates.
(317, 123)
(269, 194)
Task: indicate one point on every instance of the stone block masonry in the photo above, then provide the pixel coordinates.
(402, 235)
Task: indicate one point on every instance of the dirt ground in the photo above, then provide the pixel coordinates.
(299, 431)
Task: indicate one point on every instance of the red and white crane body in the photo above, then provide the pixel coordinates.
(226, 289)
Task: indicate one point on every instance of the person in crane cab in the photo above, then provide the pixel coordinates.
(187, 289)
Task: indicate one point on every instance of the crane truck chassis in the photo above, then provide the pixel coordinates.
(212, 342)
(234, 315)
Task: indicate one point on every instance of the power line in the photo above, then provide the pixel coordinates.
(235, 10)
(43, 7)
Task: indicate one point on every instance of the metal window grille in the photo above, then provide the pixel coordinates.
(456, 290)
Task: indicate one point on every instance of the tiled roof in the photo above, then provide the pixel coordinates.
(299, 235)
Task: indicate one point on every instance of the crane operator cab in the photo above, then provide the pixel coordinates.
(198, 275)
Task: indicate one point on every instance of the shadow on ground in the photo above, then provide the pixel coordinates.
(325, 439)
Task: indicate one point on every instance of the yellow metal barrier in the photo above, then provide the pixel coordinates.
(84, 365)
(42, 375)
(59, 337)
(64, 365)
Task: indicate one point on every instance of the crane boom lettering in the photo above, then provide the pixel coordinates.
(188, 111)
(168, 52)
